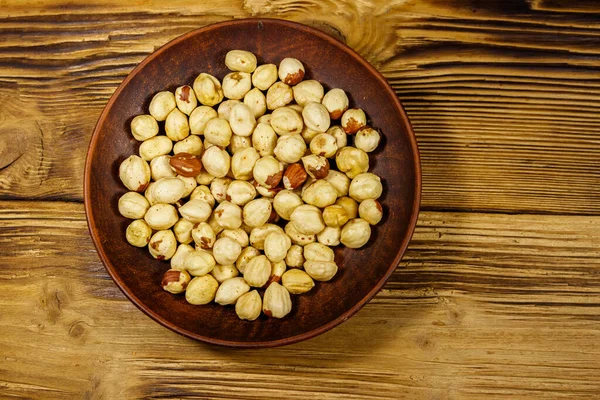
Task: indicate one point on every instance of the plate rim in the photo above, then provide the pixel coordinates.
(110, 268)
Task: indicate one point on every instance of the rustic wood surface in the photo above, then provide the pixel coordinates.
(499, 293)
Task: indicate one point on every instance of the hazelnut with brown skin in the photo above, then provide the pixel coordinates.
(353, 119)
(174, 281)
(291, 71)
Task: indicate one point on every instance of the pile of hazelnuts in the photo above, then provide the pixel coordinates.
(246, 184)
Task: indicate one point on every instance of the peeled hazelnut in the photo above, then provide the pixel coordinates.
(144, 127)
(135, 173)
(339, 181)
(230, 290)
(185, 99)
(278, 95)
(323, 145)
(162, 245)
(208, 90)
(224, 109)
(239, 235)
(203, 235)
(138, 233)
(316, 166)
(340, 136)
(149, 195)
(161, 216)
(295, 256)
(353, 119)
(242, 163)
(307, 219)
(248, 306)
(352, 161)
(278, 268)
(168, 190)
(276, 301)
(329, 236)
(226, 251)
(133, 205)
(236, 85)
(264, 119)
(264, 139)
(298, 238)
(370, 210)
(224, 272)
(195, 211)
(336, 102)
(296, 107)
(318, 252)
(335, 216)
(264, 76)
(355, 233)
(240, 60)
(367, 139)
(308, 134)
(286, 121)
(239, 143)
(218, 132)
(201, 290)
(268, 171)
(266, 192)
(178, 259)
(212, 221)
(256, 213)
(285, 202)
(241, 192)
(216, 161)
(258, 235)
(183, 231)
(321, 270)
(365, 186)
(294, 176)
(204, 178)
(256, 101)
(177, 126)
(291, 71)
(190, 185)
(161, 105)
(191, 145)
(290, 148)
(218, 188)
(276, 246)
(306, 91)
(350, 205)
(184, 164)
(297, 281)
(199, 117)
(257, 271)
(247, 254)
(202, 192)
(320, 193)
(242, 120)
(228, 215)
(174, 281)
(316, 116)
(154, 147)
(199, 263)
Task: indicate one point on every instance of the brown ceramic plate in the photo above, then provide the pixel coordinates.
(362, 272)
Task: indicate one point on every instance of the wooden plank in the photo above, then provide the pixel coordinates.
(482, 305)
(504, 99)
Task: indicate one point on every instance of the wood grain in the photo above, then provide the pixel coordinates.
(483, 305)
(504, 98)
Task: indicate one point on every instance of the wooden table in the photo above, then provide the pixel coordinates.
(498, 295)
